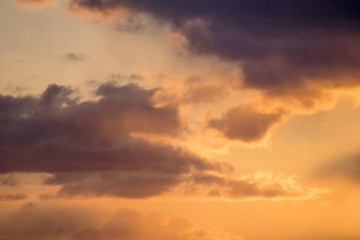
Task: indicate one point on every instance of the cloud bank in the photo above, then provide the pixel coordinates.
(89, 147)
(284, 48)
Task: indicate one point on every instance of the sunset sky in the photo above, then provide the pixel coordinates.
(179, 120)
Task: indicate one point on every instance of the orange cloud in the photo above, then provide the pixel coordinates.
(246, 124)
(262, 185)
(34, 4)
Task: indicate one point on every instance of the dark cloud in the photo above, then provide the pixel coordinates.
(73, 57)
(134, 77)
(245, 123)
(13, 197)
(9, 180)
(90, 150)
(133, 24)
(56, 133)
(281, 45)
(128, 185)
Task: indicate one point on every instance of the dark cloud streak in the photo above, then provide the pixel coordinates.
(13, 197)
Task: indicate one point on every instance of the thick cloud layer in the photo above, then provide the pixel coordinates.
(89, 149)
(284, 47)
(90, 144)
(246, 124)
(55, 133)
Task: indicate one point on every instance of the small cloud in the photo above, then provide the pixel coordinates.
(34, 4)
(134, 77)
(347, 167)
(18, 57)
(246, 124)
(13, 197)
(73, 57)
(9, 180)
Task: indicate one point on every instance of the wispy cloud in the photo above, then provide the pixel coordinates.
(13, 197)
(72, 56)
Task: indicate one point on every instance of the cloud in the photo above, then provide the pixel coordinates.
(35, 222)
(131, 225)
(197, 90)
(198, 185)
(73, 57)
(246, 124)
(89, 147)
(348, 167)
(18, 57)
(261, 185)
(55, 133)
(34, 3)
(9, 180)
(57, 222)
(118, 184)
(13, 197)
(283, 47)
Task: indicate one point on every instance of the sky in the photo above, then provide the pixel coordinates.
(179, 120)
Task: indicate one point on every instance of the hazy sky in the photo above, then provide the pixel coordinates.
(179, 120)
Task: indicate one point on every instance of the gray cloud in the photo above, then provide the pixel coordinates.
(246, 124)
(56, 133)
(73, 57)
(89, 149)
(128, 184)
(13, 197)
